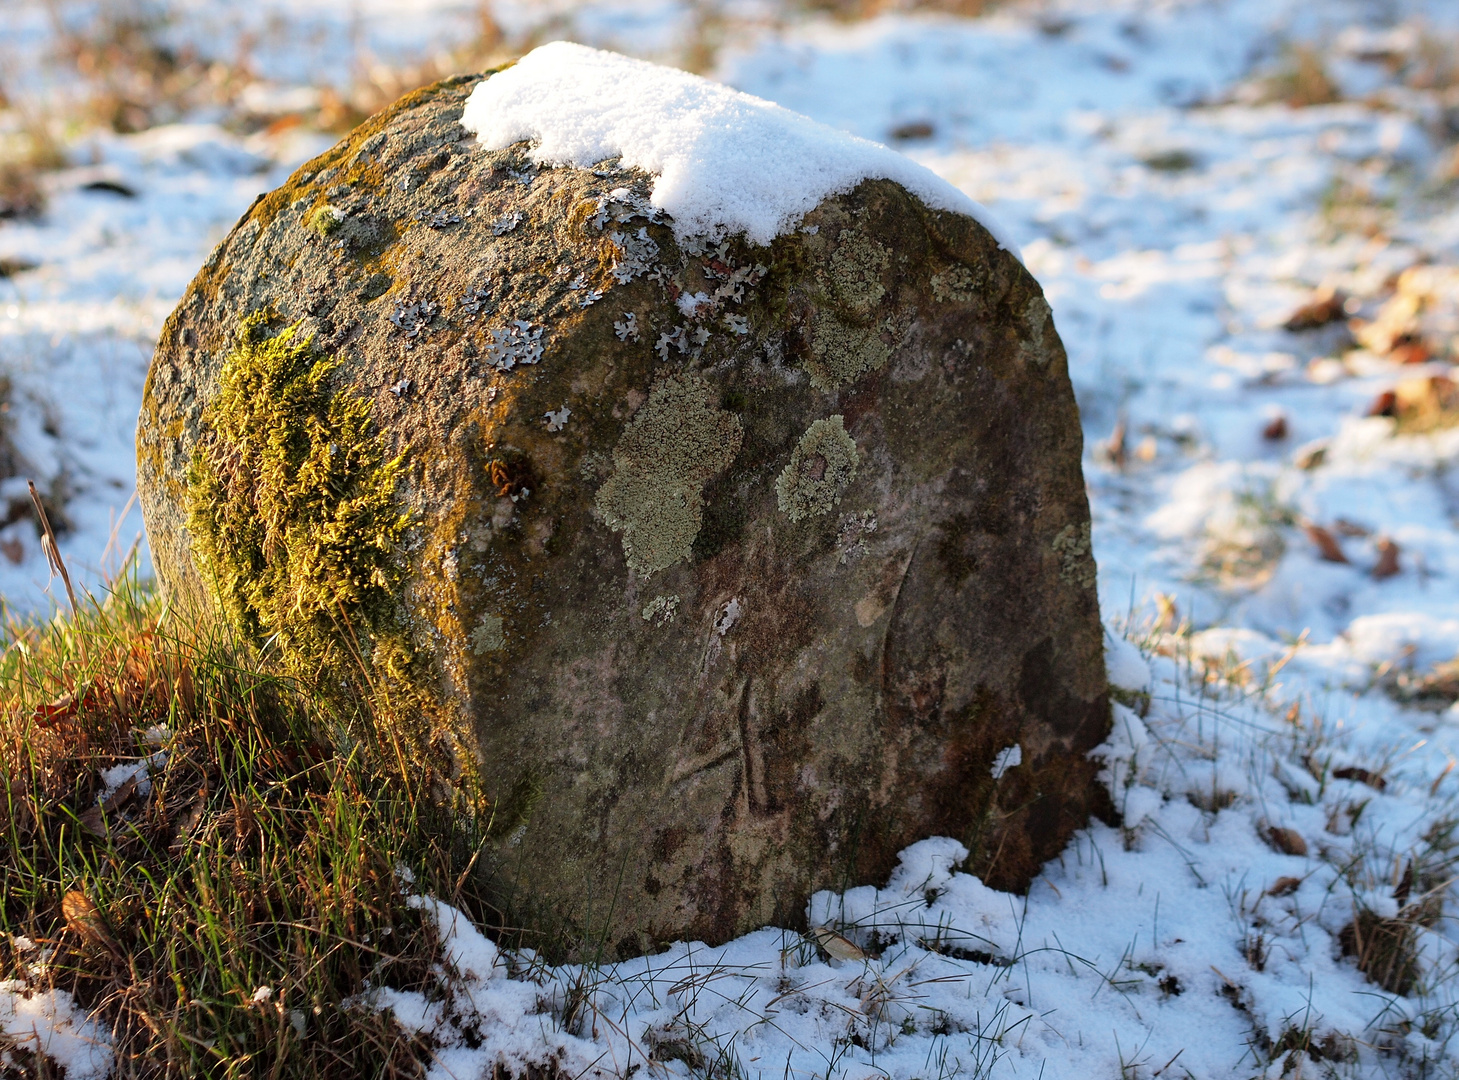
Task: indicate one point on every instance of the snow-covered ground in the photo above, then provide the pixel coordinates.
(1284, 814)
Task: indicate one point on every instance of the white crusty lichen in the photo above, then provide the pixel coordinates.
(676, 443)
(823, 463)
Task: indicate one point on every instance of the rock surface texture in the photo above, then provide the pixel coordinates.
(728, 569)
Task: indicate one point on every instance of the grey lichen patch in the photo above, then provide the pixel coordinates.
(841, 353)
(822, 464)
(489, 635)
(958, 285)
(1072, 545)
(1036, 318)
(857, 266)
(676, 443)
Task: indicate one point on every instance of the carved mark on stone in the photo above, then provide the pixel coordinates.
(754, 754)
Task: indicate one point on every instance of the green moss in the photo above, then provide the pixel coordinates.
(676, 443)
(292, 512)
(324, 219)
(822, 464)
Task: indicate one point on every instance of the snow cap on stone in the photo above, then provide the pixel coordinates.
(724, 162)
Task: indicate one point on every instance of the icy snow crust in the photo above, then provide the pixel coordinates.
(724, 162)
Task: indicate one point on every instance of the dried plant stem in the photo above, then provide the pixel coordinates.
(48, 545)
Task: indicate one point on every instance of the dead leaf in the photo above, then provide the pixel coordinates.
(1387, 559)
(1311, 457)
(53, 713)
(1410, 352)
(1385, 404)
(1276, 428)
(1287, 841)
(1284, 886)
(1344, 527)
(1326, 544)
(122, 795)
(1361, 775)
(1326, 306)
(836, 946)
(93, 821)
(1115, 448)
(85, 919)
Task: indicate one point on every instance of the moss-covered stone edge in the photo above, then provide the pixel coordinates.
(300, 539)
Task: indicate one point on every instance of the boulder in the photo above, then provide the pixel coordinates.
(724, 563)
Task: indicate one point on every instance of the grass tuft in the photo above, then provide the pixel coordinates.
(192, 850)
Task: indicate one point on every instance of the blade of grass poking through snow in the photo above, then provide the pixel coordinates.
(192, 878)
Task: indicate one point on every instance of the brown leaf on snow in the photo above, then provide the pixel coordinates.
(1287, 841)
(1385, 404)
(1387, 559)
(1326, 306)
(1326, 544)
(836, 946)
(1276, 428)
(1284, 886)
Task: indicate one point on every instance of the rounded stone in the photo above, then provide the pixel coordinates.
(725, 571)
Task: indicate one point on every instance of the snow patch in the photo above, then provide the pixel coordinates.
(49, 1023)
(1124, 666)
(724, 162)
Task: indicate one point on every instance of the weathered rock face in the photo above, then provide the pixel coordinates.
(734, 568)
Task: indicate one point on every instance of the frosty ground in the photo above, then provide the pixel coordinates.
(1276, 898)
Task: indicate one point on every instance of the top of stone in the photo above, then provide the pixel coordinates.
(724, 162)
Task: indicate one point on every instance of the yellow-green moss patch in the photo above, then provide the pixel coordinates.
(291, 507)
(676, 443)
(324, 219)
(822, 464)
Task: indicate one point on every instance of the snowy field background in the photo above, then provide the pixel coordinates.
(1278, 898)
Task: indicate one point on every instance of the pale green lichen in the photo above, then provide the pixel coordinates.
(661, 610)
(1072, 545)
(823, 463)
(957, 285)
(292, 512)
(489, 635)
(676, 443)
(857, 266)
(841, 353)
